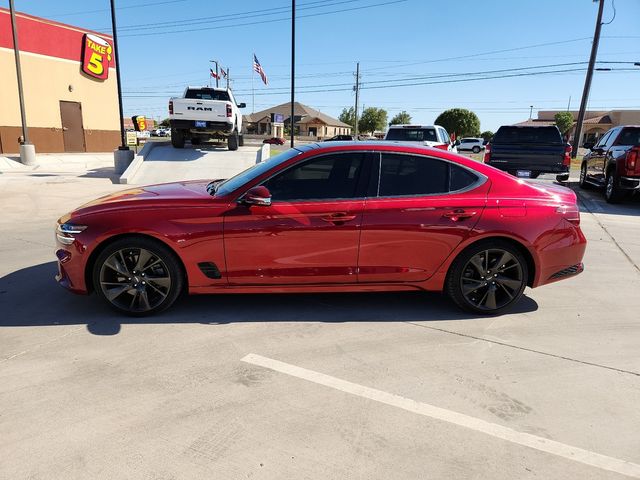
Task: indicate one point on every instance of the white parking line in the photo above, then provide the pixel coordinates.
(532, 441)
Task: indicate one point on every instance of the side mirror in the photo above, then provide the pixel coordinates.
(259, 196)
(242, 105)
(588, 145)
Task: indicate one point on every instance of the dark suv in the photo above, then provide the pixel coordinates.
(528, 151)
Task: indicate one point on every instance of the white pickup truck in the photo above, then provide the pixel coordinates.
(203, 113)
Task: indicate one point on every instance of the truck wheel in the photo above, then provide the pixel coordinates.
(583, 177)
(475, 149)
(612, 191)
(233, 140)
(177, 138)
(241, 140)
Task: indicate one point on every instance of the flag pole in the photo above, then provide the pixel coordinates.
(253, 92)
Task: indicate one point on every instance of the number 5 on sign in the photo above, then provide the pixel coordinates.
(96, 56)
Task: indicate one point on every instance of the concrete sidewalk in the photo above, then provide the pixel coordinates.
(59, 163)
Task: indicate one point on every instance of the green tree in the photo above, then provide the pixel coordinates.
(487, 135)
(165, 123)
(564, 121)
(462, 122)
(372, 119)
(401, 118)
(348, 116)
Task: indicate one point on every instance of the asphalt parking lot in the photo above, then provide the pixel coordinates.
(397, 385)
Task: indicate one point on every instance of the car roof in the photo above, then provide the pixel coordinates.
(367, 145)
(408, 125)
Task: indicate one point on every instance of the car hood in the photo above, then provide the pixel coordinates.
(177, 194)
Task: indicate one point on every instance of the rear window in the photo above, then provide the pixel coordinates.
(527, 135)
(629, 136)
(205, 94)
(412, 134)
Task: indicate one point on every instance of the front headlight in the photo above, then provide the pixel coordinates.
(65, 232)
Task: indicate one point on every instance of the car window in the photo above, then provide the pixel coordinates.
(412, 175)
(603, 139)
(612, 138)
(460, 178)
(206, 94)
(445, 136)
(412, 134)
(328, 177)
(629, 136)
(527, 135)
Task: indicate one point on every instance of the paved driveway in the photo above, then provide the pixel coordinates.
(398, 385)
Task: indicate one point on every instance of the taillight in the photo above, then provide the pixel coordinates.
(631, 159)
(566, 161)
(487, 153)
(571, 213)
(228, 110)
(170, 107)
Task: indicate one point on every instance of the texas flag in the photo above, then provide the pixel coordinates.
(214, 74)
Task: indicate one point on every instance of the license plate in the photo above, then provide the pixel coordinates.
(201, 124)
(523, 173)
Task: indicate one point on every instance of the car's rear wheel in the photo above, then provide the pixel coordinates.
(233, 140)
(475, 149)
(612, 191)
(177, 138)
(137, 276)
(488, 277)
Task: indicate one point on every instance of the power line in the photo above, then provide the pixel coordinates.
(154, 4)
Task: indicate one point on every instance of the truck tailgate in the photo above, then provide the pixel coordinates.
(527, 156)
(194, 109)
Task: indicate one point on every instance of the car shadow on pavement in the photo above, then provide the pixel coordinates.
(30, 297)
(592, 200)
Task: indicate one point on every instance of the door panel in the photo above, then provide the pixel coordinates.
(293, 243)
(72, 129)
(407, 239)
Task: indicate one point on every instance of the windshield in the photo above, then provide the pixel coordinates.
(527, 135)
(412, 134)
(255, 171)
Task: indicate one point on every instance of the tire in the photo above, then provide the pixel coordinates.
(582, 183)
(475, 149)
(233, 141)
(241, 140)
(495, 290)
(177, 138)
(612, 191)
(196, 140)
(138, 276)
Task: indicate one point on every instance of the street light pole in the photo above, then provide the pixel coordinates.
(27, 150)
(292, 122)
(587, 81)
(123, 144)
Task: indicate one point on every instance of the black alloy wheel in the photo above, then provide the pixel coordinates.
(488, 277)
(612, 191)
(137, 276)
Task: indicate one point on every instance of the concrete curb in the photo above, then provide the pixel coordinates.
(130, 172)
(263, 153)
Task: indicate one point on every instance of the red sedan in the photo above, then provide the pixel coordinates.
(325, 217)
(274, 140)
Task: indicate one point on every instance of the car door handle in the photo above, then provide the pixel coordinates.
(338, 218)
(458, 214)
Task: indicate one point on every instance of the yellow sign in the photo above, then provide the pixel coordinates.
(132, 138)
(96, 56)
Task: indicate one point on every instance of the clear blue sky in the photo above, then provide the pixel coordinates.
(394, 40)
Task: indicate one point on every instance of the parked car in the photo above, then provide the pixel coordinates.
(274, 140)
(203, 113)
(429, 135)
(474, 145)
(358, 216)
(528, 151)
(340, 138)
(613, 163)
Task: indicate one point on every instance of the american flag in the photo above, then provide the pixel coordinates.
(258, 68)
(223, 73)
(213, 74)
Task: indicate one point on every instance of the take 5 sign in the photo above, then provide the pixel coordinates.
(96, 56)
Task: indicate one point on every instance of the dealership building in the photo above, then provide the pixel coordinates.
(70, 90)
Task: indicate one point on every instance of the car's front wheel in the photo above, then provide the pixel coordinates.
(488, 277)
(138, 276)
(612, 191)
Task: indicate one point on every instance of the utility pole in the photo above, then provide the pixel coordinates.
(569, 104)
(357, 89)
(587, 81)
(292, 122)
(530, 111)
(27, 150)
(122, 157)
(217, 72)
